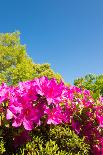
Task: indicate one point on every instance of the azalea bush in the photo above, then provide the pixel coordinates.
(42, 102)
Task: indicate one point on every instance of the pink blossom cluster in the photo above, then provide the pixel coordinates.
(41, 100)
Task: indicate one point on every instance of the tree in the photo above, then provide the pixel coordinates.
(91, 82)
(16, 65)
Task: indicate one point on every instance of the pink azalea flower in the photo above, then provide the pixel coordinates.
(28, 90)
(21, 139)
(76, 126)
(50, 89)
(26, 115)
(54, 115)
(4, 92)
(96, 150)
(100, 120)
(99, 115)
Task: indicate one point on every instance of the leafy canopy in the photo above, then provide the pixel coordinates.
(91, 82)
(16, 65)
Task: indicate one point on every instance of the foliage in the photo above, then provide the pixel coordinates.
(56, 140)
(50, 139)
(91, 82)
(2, 148)
(16, 65)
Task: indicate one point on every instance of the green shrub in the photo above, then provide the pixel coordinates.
(48, 140)
(58, 140)
(2, 148)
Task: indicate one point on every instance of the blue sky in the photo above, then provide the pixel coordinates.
(68, 34)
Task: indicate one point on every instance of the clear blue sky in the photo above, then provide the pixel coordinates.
(68, 34)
